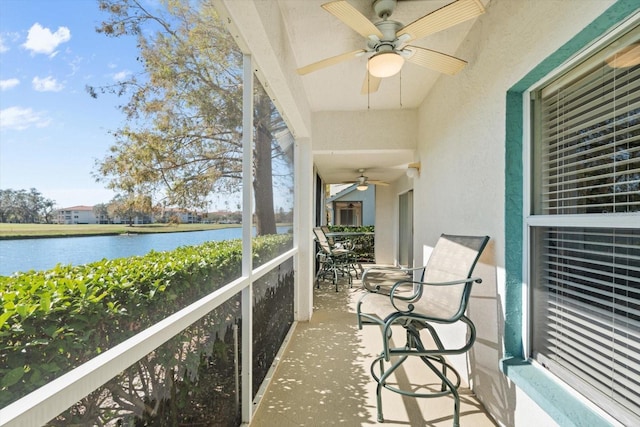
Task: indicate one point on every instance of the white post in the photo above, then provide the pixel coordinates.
(247, 226)
(303, 224)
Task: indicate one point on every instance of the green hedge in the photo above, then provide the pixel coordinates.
(364, 246)
(53, 321)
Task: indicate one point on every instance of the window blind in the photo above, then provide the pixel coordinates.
(586, 280)
(590, 136)
(587, 311)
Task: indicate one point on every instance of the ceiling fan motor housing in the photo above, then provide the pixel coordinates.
(384, 8)
(388, 29)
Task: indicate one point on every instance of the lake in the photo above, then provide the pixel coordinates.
(44, 254)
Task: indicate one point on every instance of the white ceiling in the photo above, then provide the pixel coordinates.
(315, 34)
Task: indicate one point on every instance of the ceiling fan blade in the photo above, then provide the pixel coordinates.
(352, 17)
(374, 182)
(328, 62)
(443, 18)
(370, 84)
(435, 60)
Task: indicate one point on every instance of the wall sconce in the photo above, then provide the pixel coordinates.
(413, 170)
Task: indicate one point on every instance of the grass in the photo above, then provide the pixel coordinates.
(22, 231)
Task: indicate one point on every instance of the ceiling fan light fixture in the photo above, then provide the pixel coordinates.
(362, 187)
(385, 64)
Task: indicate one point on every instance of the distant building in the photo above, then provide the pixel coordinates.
(85, 215)
(352, 207)
(77, 215)
(184, 216)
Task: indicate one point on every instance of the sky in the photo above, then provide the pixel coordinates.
(51, 130)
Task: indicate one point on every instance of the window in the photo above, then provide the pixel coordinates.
(584, 227)
(348, 213)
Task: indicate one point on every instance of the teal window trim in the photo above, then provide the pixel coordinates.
(552, 397)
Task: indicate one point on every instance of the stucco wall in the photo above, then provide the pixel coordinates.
(370, 130)
(461, 145)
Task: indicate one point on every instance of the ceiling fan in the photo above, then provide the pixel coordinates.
(363, 181)
(387, 40)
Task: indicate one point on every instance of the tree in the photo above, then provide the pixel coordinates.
(25, 207)
(46, 210)
(101, 210)
(130, 206)
(183, 137)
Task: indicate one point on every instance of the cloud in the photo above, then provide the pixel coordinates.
(47, 84)
(121, 75)
(75, 65)
(9, 83)
(3, 47)
(42, 40)
(18, 118)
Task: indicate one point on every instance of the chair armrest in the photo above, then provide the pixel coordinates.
(381, 272)
(418, 290)
(406, 298)
(393, 268)
(452, 282)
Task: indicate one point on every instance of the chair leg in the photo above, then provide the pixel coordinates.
(318, 273)
(379, 399)
(453, 389)
(328, 267)
(415, 347)
(382, 379)
(379, 386)
(447, 386)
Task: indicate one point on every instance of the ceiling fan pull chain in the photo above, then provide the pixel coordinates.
(400, 88)
(368, 91)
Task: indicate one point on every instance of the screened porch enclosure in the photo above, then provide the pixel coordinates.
(200, 354)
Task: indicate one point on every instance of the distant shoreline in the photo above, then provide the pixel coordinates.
(10, 231)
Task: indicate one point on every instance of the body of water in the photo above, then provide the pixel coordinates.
(44, 254)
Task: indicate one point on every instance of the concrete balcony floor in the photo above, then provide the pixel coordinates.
(324, 379)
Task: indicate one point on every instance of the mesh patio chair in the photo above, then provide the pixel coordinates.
(333, 261)
(441, 297)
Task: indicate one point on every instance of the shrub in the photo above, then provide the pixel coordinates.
(363, 246)
(53, 321)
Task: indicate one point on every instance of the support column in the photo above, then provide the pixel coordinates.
(303, 224)
(247, 225)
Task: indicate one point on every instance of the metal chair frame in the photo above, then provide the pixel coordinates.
(441, 296)
(333, 261)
